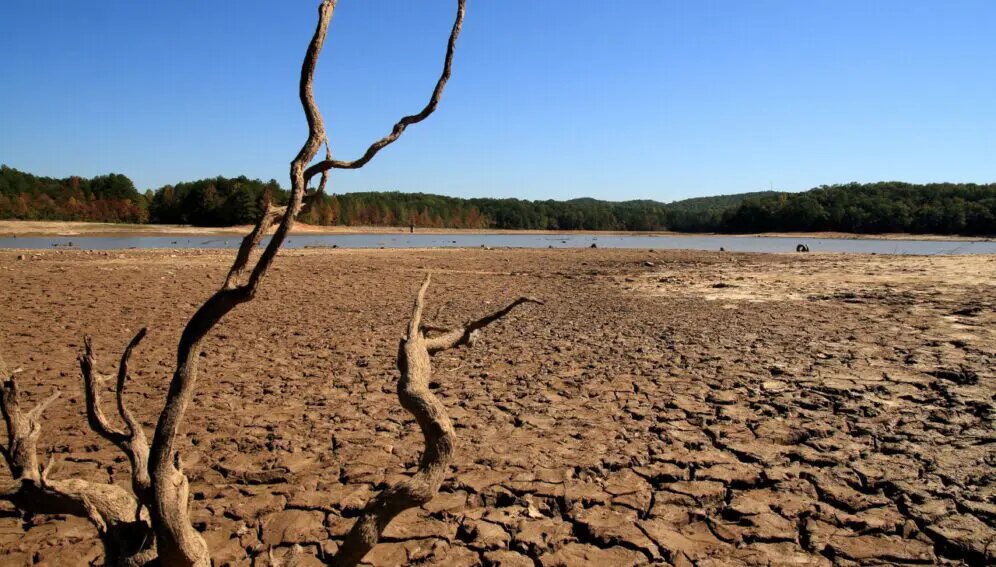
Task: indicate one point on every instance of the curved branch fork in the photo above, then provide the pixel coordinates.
(414, 364)
(131, 441)
(177, 540)
(158, 515)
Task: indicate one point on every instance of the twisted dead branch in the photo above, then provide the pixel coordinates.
(405, 122)
(414, 364)
(158, 481)
(132, 442)
(125, 533)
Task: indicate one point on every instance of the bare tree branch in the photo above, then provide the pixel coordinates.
(94, 410)
(269, 216)
(406, 121)
(166, 533)
(465, 335)
(440, 439)
(178, 542)
(23, 430)
(132, 442)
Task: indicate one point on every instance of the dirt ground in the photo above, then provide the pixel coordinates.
(682, 408)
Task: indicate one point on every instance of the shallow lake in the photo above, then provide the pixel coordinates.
(505, 240)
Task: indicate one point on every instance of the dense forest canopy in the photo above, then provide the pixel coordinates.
(214, 202)
(105, 198)
(705, 214)
(935, 208)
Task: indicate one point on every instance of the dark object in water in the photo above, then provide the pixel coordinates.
(721, 249)
(593, 245)
(802, 248)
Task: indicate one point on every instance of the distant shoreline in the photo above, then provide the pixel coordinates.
(11, 228)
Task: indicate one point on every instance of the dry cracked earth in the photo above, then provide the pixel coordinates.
(680, 408)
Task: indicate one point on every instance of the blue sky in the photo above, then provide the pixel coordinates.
(549, 99)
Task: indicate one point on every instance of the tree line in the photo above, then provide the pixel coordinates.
(935, 208)
(105, 198)
(872, 208)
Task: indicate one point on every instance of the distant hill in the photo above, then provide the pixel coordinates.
(698, 204)
(706, 214)
(888, 206)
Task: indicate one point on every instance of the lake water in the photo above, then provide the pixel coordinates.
(505, 240)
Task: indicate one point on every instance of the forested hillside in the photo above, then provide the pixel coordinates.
(934, 208)
(105, 198)
(437, 211)
(937, 208)
(705, 214)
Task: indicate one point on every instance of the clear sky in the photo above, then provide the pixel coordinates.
(549, 98)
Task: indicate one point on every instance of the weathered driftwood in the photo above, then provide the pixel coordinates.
(132, 441)
(154, 524)
(414, 354)
(123, 529)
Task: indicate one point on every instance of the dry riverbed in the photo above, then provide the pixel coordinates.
(673, 407)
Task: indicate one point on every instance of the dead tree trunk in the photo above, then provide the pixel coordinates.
(414, 364)
(155, 521)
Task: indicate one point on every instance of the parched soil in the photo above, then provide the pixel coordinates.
(680, 408)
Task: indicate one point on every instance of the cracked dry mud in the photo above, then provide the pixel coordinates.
(679, 408)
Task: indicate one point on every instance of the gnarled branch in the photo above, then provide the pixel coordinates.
(406, 121)
(132, 441)
(465, 334)
(23, 430)
(165, 489)
(179, 543)
(414, 364)
(126, 535)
